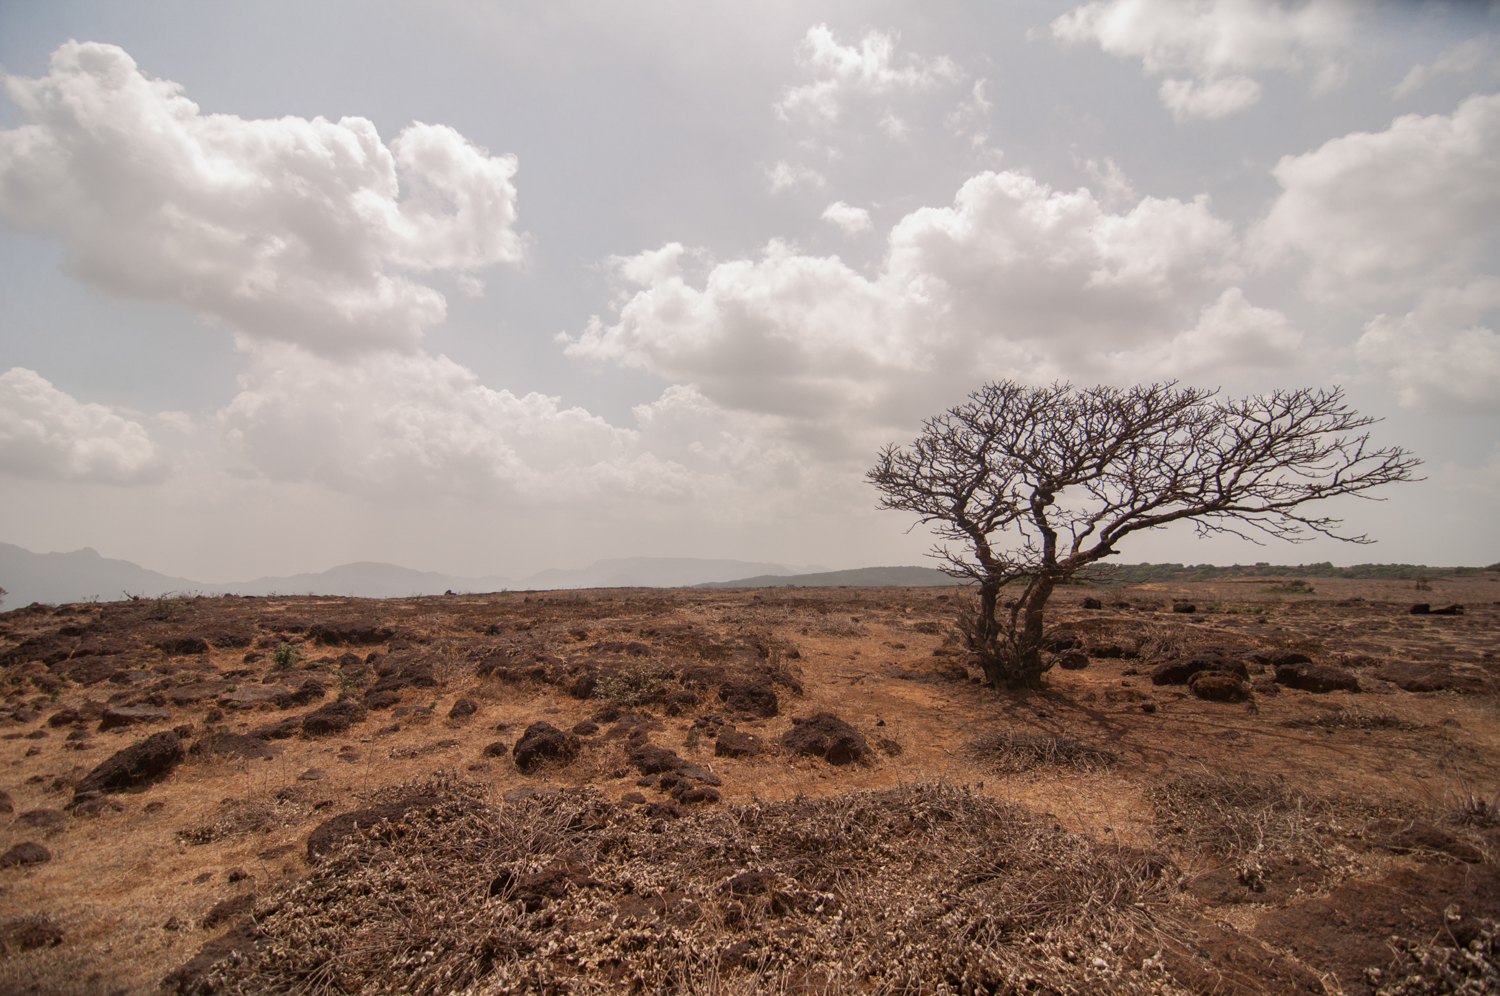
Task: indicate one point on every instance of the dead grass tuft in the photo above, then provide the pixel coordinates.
(923, 888)
(1241, 814)
(1012, 752)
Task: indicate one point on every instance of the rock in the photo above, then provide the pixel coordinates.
(183, 645)
(137, 764)
(308, 692)
(1178, 671)
(650, 759)
(45, 819)
(1184, 607)
(234, 745)
(1319, 678)
(1279, 658)
(1448, 610)
(632, 798)
(1414, 677)
(1092, 603)
(497, 749)
(93, 807)
(227, 909)
(1073, 661)
(585, 728)
(27, 934)
(282, 729)
(1060, 641)
(825, 735)
(1219, 686)
(253, 695)
(330, 833)
(335, 717)
(132, 716)
(749, 697)
(196, 691)
(349, 633)
(734, 743)
(312, 775)
(1420, 609)
(382, 700)
(660, 811)
(542, 743)
(6, 806)
(463, 709)
(25, 853)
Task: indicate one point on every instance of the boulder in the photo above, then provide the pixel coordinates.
(1181, 669)
(25, 853)
(463, 709)
(282, 729)
(1279, 658)
(1219, 686)
(543, 743)
(132, 716)
(1184, 607)
(735, 743)
(1092, 603)
(253, 695)
(1073, 660)
(1319, 678)
(137, 764)
(356, 632)
(1062, 640)
(825, 735)
(183, 645)
(335, 717)
(234, 745)
(382, 700)
(750, 697)
(196, 691)
(1414, 677)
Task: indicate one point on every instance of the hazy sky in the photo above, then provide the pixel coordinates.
(488, 288)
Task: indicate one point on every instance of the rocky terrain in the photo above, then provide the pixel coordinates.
(1244, 786)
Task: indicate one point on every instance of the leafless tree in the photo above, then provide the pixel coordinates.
(1060, 476)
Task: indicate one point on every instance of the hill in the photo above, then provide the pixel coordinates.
(907, 577)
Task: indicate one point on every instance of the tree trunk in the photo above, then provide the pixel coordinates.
(1011, 658)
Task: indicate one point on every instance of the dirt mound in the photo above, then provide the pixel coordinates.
(968, 893)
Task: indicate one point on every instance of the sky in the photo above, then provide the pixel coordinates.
(488, 288)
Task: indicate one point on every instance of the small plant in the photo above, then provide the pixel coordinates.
(1422, 583)
(636, 684)
(285, 655)
(1296, 586)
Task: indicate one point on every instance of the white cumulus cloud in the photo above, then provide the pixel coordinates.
(789, 176)
(1208, 49)
(301, 231)
(47, 433)
(866, 68)
(852, 220)
(1465, 57)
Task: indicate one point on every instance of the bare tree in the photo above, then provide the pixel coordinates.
(1062, 475)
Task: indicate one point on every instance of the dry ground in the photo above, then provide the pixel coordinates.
(1293, 842)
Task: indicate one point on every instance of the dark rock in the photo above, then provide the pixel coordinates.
(1414, 677)
(411, 675)
(1219, 686)
(45, 819)
(331, 833)
(1279, 658)
(382, 700)
(543, 743)
(497, 749)
(1448, 610)
(1184, 607)
(137, 764)
(734, 743)
(183, 645)
(307, 693)
(585, 728)
(28, 934)
(689, 794)
(25, 853)
(1060, 641)
(6, 806)
(1420, 609)
(650, 759)
(1317, 678)
(1073, 661)
(234, 745)
(349, 633)
(825, 735)
(749, 697)
(660, 811)
(196, 691)
(66, 717)
(227, 909)
(185, 730)
(132, 716)
(282, 729)
(93, 807)
(238, 875)
(463, 709)
(1092, 603)
(37, 735)
(1178, 671)
(679, 701)
(335, 717)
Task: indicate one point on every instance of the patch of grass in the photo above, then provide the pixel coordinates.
(1352, 719)
(1011, 752)
(1241, 814)
(1296, 586)
(637, 683)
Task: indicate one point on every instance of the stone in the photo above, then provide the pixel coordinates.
(197, 691)
(1320, 678)
(382, 700)
(357, 632)
(6, 806)
(313, 775)
(185, 645)
(1184, 608)
(497, 749)
(737, 744)
(463, 709)
(585, 728)
(1279, 658)
(43, 819)
(138, 764)
(825, 735)
(1092, 603)
(1073, 661)
(1413, 677)
(335, 717)
(132, 716)
(749, 697)
(1420, 609)
(544, 743)
(234, 745)
(1181, 669)
(282, 729)
(1219, 686)
(253, 695)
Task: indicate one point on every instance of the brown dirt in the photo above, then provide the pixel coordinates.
(1303, 830)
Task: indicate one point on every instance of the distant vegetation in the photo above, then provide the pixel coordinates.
(1137, 573)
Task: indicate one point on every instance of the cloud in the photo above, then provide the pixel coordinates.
(301, 231)
(971, 119)
(1386, 215)
(1465, 57)
(1438, 355)
(851, 219)
(1014, 279)
(786, 176)
(45, 433)
(846, 69)
(1231, 336)
(1207, 49)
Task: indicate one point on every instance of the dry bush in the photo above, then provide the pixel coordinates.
(636, 683)
(1011, 752)
(1241, 814)
(919, 889)
(1352, 718)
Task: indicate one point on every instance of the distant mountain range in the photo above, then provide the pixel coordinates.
(908, 577)
(84, 575)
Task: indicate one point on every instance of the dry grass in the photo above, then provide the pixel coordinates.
(1235, 815)
(1011, 752)
(924, 888)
